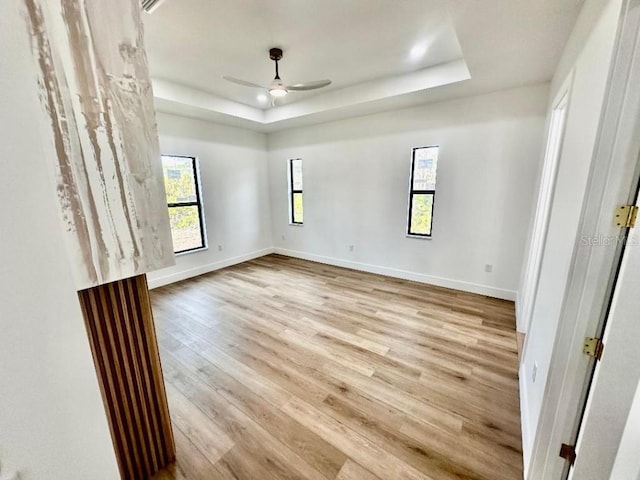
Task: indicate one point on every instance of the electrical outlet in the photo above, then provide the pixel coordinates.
(351, 248)
(534, 372)
(219, 248)
(488, 268)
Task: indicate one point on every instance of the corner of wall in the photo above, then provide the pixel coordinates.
(161, 281)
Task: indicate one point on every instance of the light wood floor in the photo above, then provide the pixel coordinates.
(285, 369)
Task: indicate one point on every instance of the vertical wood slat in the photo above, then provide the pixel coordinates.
(123, 342)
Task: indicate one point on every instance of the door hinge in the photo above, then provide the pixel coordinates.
(626, 216)
(568, 452)
(593, 347)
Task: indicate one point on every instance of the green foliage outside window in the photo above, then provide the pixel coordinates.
(298, 210)
(183, 201)
(423, 186)
(421, 209)
(295, 190)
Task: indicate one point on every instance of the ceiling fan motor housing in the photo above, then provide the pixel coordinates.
(275, 54)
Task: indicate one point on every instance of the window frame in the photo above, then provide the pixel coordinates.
(292, 193)
(197, 203)
(413, 192)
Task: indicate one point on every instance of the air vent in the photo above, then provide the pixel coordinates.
(149, 6)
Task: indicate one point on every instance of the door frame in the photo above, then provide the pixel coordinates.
(588, 292)
(615, 379)
(553, 153)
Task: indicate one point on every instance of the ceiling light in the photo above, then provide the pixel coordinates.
(278, 92)
(418, 51)
(277, 88)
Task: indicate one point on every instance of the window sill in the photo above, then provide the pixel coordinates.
(187, 252)
(296, 224)
(418, 237)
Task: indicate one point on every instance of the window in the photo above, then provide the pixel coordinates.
(184, 202)
(422, 190)
(295, 189)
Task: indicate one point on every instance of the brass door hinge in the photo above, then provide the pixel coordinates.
(593, 347)
(626, 216)
(568, 452)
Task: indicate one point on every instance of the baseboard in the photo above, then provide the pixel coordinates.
(364, 267)
(405, 275)
(210, 267)
(519, 326)
(524, 422)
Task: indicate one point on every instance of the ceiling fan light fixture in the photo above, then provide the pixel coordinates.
(277, 88)
(278, 91)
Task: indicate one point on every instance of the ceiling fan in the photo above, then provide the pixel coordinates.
(277, 88)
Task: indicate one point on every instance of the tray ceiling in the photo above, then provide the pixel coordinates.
(377, 52)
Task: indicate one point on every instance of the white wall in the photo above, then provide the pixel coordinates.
(591, 67)
(52, 420)
(234, 178)
(356, 179)
(590, 15)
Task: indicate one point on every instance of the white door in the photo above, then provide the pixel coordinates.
(597, 290)
(543, 207)
(611, 397)
(611, 384)
(627, 463)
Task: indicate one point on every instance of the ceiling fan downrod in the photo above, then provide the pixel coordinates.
(275, 54)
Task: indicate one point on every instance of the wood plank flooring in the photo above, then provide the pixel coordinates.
(280, 368)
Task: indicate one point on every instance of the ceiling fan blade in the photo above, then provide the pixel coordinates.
(242, 82)
(309, 85)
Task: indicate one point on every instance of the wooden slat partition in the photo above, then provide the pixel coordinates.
(122, 335)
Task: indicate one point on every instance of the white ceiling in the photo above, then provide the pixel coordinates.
(366, 47)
